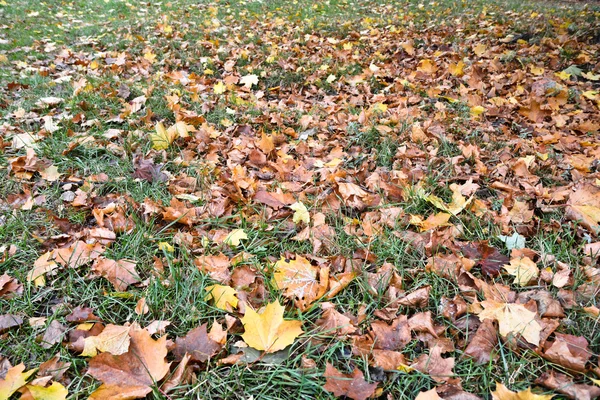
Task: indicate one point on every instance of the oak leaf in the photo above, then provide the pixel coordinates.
(353, 386)
(268, 330)
(130, 375)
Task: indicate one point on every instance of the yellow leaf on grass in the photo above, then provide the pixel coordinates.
(458, 203)
(164, 246)
(56, 391)
(432, 222)
(268, 330)
(42, 266)
(584, 206)
(477, 111)
(512, 319)
(300, 213)
(15, 379)
(503, 393)
(235, 236)
(163, 138)
(114, 339)
(219, 88)
(223, 296)
(249, 80)
(523, 269)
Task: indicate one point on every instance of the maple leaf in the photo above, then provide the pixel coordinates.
(300, 213)
(299, 279)
(353, 386)
(198, 344)
(41, 267)
(458, 203)
(15, 379)
(440, 369)
(584, 206)
(55, 391)
(219, 88)
(130, 375)
(113, 339)
(235, 237)
(162, 138)
(512, 319)
(121, 273)
(503, 393)
(486, 256)
(428, 395)
(248, 81)
(523, 269)
(223, 296)
(268, 330)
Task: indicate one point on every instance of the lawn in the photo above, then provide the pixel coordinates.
(298, 199)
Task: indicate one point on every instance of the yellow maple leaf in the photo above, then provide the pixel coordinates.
(523, 269)
(512, 319)
(235, 236)
(162, 138)
(503, 393)
(379, 107)
(457, 69)
(114, 339)
(427, 66)
(219, 88)
(249, 80)
(55, 391)
(223, 296)
(15, 379)
(300, 213)
(432, 222)
(458, 203)
(268, 330)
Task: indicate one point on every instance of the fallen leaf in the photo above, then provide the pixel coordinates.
(121, 273)
(235, 237)
(512, 319)
(224, 297)
(523, 269)
(440, 369)
(130, 375)
(114, 339)
(162, 138)
(300, 213)
(299, 279)
(197, 344)
(15, 379)
(353, 386)
(584, 206)
(268, 330)
(55, 391)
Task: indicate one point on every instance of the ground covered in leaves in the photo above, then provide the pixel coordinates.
(272, 200)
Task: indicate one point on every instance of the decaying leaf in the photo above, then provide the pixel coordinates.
(130, 375)
(352, 385)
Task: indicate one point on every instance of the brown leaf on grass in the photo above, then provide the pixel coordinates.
(487, 257)
(180, 376)
(334, 323)
(197, 344)
(352, 385)
(569, 351)
(483, 343)
(82, 314)
(130, 375)
(428, 395)
(54, 334)
(564, 384)
(121, 273)
(391, 337)
(389, 360)
(77, 254)
(8, 321)
(54, 368)
(216, 266)
(513, 319)
(9, 287)
(440, 369)
(584, 206)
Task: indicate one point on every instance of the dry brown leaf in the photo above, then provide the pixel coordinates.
(352, 385)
